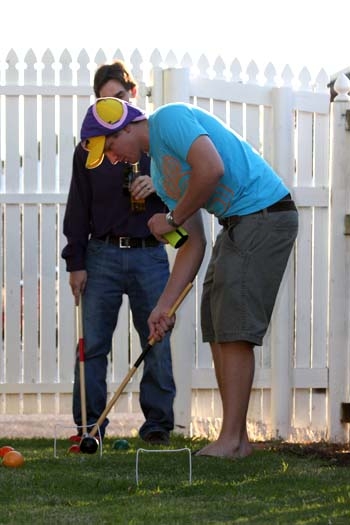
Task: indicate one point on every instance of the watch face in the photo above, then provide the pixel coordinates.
(170, 219)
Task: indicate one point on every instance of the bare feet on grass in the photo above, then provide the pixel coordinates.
(222, 449)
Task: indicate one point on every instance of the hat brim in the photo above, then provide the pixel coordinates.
(95, 147)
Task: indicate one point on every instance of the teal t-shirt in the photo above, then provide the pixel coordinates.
(248, 184)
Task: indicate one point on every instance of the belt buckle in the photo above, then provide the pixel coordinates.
(124, 242)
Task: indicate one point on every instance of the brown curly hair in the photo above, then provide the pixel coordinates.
(115, 71)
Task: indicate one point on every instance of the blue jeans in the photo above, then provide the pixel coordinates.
(141, 274)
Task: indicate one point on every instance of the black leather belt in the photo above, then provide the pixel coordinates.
(285, 204)
(129, 242)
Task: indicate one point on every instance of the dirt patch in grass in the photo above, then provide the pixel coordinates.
(333, 453)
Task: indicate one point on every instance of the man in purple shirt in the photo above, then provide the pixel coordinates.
(110, 253)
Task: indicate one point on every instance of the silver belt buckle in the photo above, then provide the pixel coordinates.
(124, 242)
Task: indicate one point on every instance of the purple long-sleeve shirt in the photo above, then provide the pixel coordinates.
(99, 204)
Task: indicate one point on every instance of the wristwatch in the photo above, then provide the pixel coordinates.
(170, 219)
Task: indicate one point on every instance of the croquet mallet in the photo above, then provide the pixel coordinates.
(88, 444)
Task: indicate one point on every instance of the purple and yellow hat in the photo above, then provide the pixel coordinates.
(105, 117)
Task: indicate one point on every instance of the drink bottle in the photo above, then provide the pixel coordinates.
(137, 205)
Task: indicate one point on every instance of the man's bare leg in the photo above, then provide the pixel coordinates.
(234, 369)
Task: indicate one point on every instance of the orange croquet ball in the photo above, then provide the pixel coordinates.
(4, 450)
(13, 459)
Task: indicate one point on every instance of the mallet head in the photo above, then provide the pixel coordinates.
(89, 444)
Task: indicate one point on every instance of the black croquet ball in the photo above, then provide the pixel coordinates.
(88, 445)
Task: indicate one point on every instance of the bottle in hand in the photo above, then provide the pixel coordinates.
(137, 205)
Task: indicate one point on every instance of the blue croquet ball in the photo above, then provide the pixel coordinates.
(121, 444)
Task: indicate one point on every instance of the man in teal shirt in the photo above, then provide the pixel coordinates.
(198, 162)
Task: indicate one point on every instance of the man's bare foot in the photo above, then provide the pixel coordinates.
(221, 450)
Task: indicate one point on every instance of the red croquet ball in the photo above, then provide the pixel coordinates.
(13, 459)
(74, 449)
(4, 450)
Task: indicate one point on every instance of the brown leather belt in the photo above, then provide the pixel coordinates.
(285, 204)
(129, 242)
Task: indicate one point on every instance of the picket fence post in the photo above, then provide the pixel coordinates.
(339, 262)
(281, 329)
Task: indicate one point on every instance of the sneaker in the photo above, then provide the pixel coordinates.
(76, 438)
(156, 438)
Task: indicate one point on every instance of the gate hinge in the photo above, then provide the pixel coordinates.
(347, 120)
(345, 413)
(144, 91)
(347, 225)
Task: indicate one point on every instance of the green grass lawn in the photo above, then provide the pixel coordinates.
(276, 485)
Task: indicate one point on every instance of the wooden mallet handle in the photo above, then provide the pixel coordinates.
(81, 351)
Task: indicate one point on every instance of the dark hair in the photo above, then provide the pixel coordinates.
(115, 71)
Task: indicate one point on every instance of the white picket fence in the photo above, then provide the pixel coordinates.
(302, 370)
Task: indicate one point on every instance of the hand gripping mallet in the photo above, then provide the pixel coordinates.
(88, 444)
(132, 370)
